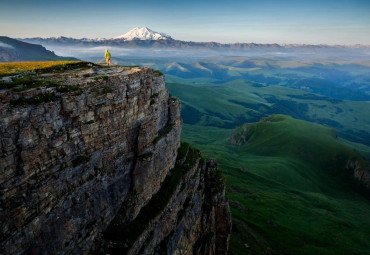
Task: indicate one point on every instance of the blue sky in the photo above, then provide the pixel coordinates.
(264, 21)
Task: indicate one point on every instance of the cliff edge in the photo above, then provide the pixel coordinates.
(91, 162)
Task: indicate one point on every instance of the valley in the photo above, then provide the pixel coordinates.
(287, 185)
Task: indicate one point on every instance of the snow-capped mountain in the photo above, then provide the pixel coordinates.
(143, 33)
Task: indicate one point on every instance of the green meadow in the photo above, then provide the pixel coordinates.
(287, 184)
(285, 197)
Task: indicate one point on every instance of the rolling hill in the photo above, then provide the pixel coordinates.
(288, 187)
(231, 104)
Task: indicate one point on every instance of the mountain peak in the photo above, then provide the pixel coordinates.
(143, 33)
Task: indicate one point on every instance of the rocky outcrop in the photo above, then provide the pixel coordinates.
(359, 175)
(87, 151)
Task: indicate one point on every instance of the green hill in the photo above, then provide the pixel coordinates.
(301, 143)
(288, 186)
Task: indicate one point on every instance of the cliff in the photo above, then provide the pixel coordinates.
(91, 162)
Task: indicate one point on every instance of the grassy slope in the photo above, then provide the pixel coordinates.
(281, 200)
(281, 195)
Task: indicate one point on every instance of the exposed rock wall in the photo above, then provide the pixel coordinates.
(99, 148)
(189, 215)
(360, 176)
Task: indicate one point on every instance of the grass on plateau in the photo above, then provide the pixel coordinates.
(14, 68)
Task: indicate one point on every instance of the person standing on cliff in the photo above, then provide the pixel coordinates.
(107, 57)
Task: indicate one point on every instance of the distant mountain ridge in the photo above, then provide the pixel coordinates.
(14, 50)
(145, 37)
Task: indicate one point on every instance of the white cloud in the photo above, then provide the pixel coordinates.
(4, 45)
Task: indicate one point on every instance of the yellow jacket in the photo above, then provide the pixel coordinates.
(107, 54)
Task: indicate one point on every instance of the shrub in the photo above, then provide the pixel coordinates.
(106, 90)
(67, 88)
(155, 95)
(101, 77)
(145, 155)
(28, 82)
(44, 98)
(163, 133)
(158, 72)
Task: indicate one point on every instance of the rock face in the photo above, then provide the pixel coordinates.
(189, 214)
(91, 153)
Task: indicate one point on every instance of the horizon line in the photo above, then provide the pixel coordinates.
(222, 43)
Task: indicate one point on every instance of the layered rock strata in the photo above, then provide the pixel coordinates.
(189, 214)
